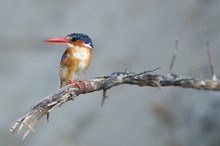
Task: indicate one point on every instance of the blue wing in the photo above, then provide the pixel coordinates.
(64, 56)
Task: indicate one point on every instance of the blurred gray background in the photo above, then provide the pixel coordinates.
(128, 34)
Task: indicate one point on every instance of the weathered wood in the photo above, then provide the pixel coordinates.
(70, 92)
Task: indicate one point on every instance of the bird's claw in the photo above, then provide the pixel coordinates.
(84, 83)
(77, 83)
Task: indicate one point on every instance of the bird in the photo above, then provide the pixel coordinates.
(76, 59)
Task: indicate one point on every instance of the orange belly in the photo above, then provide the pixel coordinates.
(76, 62)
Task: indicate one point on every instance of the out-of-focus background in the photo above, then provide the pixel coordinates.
(128, 34)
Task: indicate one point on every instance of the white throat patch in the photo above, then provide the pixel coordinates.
(70, 45)
(85, 45)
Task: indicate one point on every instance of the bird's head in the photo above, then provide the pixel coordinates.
(74, 39)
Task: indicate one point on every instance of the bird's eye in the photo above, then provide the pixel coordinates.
(73, 39)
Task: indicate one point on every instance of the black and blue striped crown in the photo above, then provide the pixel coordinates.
(80, 36)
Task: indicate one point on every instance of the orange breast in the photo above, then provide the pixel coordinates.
(76, 62)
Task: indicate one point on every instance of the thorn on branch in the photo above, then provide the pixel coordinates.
(104, 96)
(145, 72)
(48, 116)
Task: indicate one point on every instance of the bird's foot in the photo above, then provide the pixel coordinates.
(76, 83)
(84, 83)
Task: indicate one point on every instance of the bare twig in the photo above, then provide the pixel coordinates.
(174, 53)
(104, 96)
(70, 92)
(214, 77)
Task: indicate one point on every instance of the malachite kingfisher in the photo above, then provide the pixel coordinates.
(75, 59)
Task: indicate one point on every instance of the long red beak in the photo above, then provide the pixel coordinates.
(57, 40)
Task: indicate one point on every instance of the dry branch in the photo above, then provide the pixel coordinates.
(47, 104)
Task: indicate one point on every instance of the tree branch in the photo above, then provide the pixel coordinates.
(70, 92)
